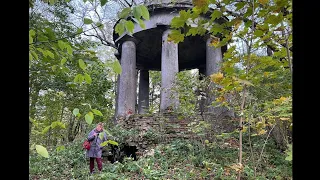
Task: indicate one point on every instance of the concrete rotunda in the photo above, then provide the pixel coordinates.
(148, 49)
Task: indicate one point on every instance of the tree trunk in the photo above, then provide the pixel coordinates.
(32, 108)
(70, 128)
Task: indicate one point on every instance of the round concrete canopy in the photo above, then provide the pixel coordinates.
(191, 52)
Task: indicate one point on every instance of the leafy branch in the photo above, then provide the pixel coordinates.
(75, 34)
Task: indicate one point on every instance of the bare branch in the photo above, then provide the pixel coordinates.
(103, 41)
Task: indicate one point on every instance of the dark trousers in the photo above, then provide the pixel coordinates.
(99, 162)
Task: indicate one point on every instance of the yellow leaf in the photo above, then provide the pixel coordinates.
(283, 99)
(244, 129)
(217, 77)
(237, 23)
(214, 41)
(239, 88)
(260, 125)
(200, 3)
(237, 167)
(284, 119)
(263, 2)
(262, 132)
(220, 99)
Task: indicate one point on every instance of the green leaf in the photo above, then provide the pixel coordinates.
(61, 124)
(144, 12)
(141, 23)
(240, 5)
(69, 49)
(273, 19)
(52, 2)
(120, 27)
(81, 79)
(258, 33)
(49, 53)
(89, 117)
(129, 26)
(216, 28)
(97, 112)
(42, 151)
(75, 112)
(113, 142)
(34, 55)
(215, 15)
(100, 25)
(243, 81)
(30, 57)
(177, 22)
(54, 124)
(104, 143)
(176, 36)
(87, 21)
(45, 130)
(229, 70)
(137, 12)
(80, 30)
(54, 67)
(103, 2)
(289, 157)
(124, 13)
(61, 44)
(289, 153)
(32, 33)
(86, 104)
(192, 31)
(30, 39)
(117, 67)
(63, 60)
(60, 148)
(87, 78)
(78, 78)
(184, 15)
(82, 64)
(50, 33)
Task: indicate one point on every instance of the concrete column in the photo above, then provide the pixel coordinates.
(143, 104)
(213, 58)
(169, 68)
(127, 80)
(117, 98)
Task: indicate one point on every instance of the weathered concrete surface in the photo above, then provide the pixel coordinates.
(154, 129)
(143, 104)
(169, 69)
(149, 39)
(213, 65)
(213, 58)
(127, 81)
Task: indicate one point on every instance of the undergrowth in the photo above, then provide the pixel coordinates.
(180, 159)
